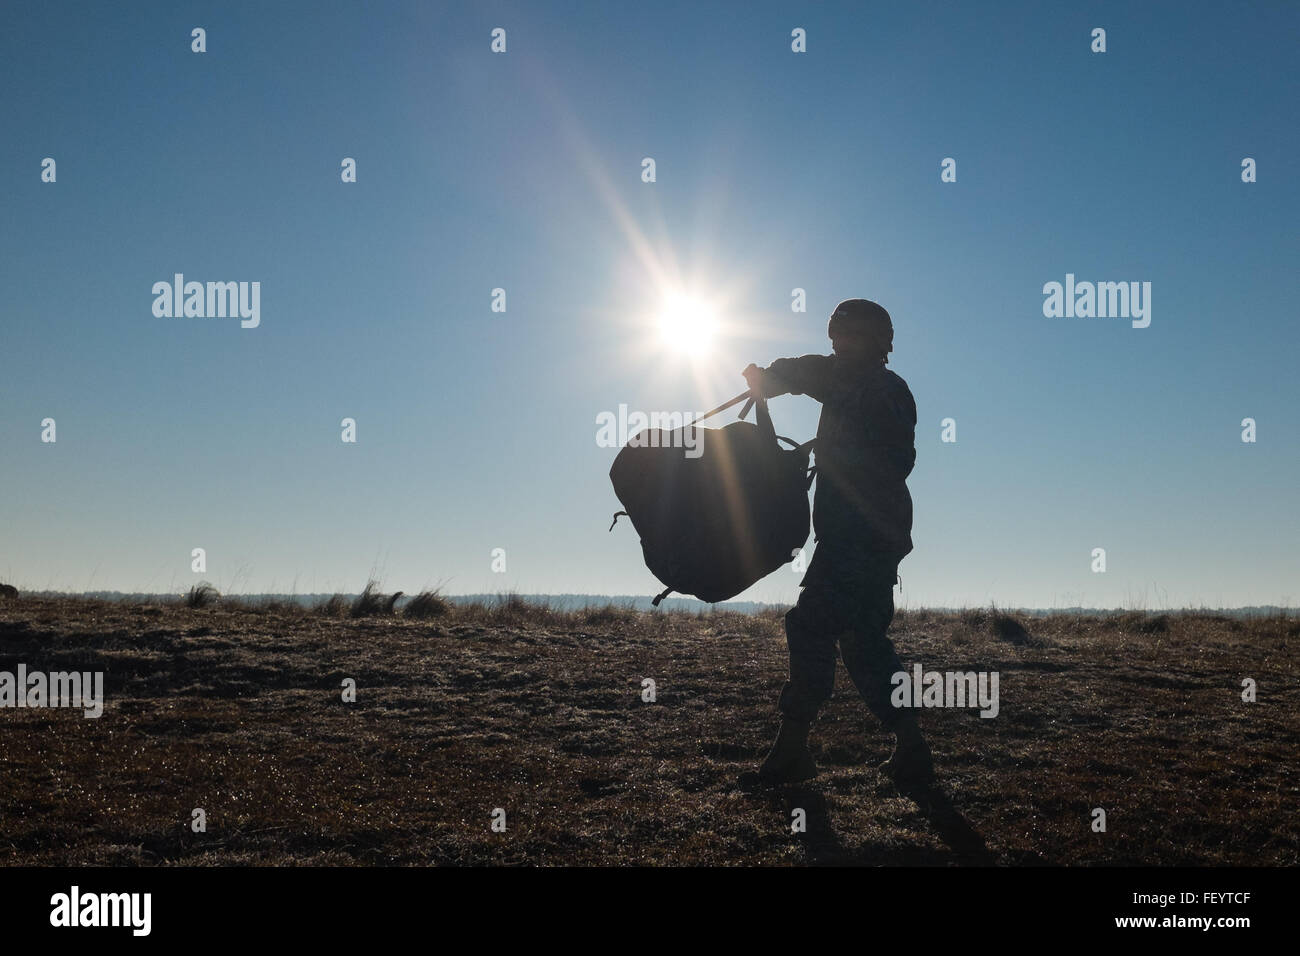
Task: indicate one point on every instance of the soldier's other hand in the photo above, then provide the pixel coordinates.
(754, 378)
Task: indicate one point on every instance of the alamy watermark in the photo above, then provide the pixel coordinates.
(212, 300)
(1102, 300)
(75, 908)
(922, 688)
(56, 689)
(655, 430)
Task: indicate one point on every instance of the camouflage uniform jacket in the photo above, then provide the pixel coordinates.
(865, 449)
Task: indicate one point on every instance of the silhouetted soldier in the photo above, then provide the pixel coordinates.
(862, 521)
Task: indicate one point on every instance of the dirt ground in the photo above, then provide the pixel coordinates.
(239, 711)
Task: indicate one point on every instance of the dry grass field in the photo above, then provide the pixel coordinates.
(238, 710)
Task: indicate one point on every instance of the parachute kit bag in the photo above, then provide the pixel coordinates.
(713, 524)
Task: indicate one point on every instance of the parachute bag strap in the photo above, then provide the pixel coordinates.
(803, 448)
(762, 417)
(723, 407)
(617, 515)
(662, 594)
(809, 446)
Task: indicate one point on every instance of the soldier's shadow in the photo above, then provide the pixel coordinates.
(952, 827)
(825, 848)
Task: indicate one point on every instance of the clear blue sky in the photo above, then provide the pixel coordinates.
(775, 170)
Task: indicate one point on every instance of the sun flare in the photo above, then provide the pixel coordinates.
(687, 324)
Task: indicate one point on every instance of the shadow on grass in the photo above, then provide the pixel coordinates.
(952, 827)
(824, 847)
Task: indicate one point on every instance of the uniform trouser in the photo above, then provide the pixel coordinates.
(847, 599)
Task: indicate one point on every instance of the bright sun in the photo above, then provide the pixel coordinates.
(687, 324)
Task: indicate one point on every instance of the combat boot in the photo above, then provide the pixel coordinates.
(911, 766)
(789, 760)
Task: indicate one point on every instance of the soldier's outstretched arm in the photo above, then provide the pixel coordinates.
(805, 375)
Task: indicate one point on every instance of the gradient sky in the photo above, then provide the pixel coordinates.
(477, 430)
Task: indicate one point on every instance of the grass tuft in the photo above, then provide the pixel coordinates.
(425, 605)
(336, 606)
(202, 595)
(370, 603)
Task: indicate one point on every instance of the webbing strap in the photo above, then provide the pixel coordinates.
(744, 412)
(724, 406)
